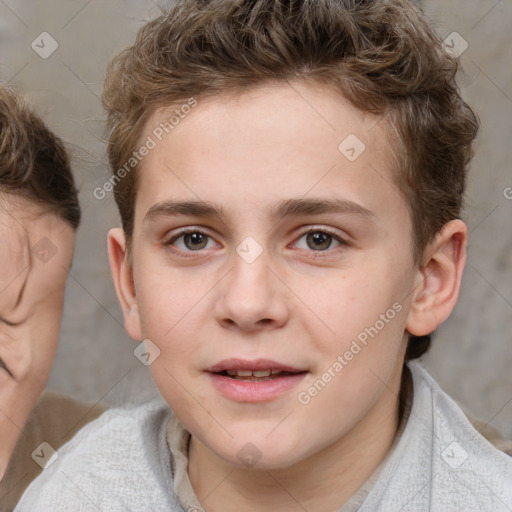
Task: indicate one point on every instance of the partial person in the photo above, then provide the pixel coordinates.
(39, 216)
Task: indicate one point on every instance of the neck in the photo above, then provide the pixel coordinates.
(323, 482)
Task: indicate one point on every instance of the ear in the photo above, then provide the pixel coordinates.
(122, 275)
(438, 279)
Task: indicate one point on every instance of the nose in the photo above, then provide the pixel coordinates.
(252, 297)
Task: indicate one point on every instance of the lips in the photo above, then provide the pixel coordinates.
(254, 371)
(258, 365)
(255, 375)
(254, 381)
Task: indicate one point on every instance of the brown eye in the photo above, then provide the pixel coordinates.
(191, 241)
(319, 241)
(195, 241)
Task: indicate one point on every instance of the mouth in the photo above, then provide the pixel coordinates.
(255, 375)
(265, 369)
(254, 381)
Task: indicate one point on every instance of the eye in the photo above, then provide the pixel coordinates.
(191, 240)
(319, 240)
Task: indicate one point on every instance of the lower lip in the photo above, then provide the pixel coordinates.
(253, 391)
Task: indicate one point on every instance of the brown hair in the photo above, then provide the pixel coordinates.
(33, 161)
(384, 56)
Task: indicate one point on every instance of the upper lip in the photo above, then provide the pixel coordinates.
(256, 364)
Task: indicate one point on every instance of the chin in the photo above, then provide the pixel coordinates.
(259, 452)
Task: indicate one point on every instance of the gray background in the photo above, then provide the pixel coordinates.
(472, 354)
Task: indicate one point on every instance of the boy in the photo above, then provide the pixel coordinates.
(39, 215)
(289, 176)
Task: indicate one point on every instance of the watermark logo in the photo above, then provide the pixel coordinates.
(454, 455)
(44, 45)
(44, 250)
(455, 45)
(44, 455)
(249, 455)
(249, 250)
(147, 352)
(352, 147)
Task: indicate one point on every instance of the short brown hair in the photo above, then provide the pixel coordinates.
(383, 55)
(33, 161)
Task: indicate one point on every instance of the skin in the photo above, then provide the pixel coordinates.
(32, 285)
(294, 304)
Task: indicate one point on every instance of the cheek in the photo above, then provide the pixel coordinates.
(368, 315)
(44, 335)
(168, 302)
(350, 302)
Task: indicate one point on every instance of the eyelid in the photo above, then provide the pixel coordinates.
(312, 228)
(324, 229)
(184, 231)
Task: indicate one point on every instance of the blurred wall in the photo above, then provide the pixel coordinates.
(472, 353)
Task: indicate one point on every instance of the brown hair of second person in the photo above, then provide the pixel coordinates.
(33, 161)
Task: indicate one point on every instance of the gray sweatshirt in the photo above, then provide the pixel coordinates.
(122, 462)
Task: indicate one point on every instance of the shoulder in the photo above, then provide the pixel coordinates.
(55, 419)
(441, 461)
(462, 459)
(128, 421)
(490, 433)
(120, 459)
(453, 420)
(58, 417)
(126, 428)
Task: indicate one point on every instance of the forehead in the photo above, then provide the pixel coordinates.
(15, 249)
(36, 240)
(24, 222)
(274, 142)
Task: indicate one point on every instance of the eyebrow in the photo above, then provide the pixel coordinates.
(286, 208)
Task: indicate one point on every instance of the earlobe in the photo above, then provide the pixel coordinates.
(439, 279)
(122, 276)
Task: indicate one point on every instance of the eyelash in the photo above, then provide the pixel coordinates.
(317, 254)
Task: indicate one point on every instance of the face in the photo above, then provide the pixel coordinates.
(35, 257)
(265, 241)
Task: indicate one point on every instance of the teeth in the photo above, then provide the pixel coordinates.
(244, 373)
(262, 373)
(250, 373)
